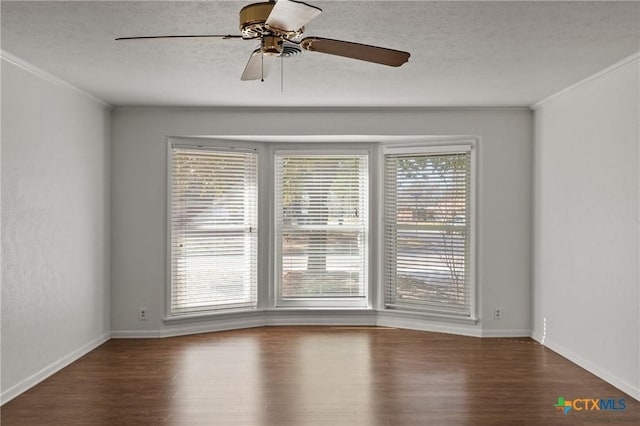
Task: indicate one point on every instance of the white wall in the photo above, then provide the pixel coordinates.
(139, 197)
(586, 237)
(55, 226)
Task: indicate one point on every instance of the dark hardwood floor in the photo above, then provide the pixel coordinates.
(317, 376)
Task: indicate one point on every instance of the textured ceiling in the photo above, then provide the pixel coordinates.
(462, 53)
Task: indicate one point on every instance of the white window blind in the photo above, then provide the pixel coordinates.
(213, 230)
(321, 227)
(427, 232)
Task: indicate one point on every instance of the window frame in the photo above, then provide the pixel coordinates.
(214, 145)
(434, 146)
(336, 303)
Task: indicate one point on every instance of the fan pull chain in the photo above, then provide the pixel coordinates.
(262, 67)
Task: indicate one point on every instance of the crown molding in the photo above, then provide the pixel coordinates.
(20, 63)
(327, 109)
(601, 73)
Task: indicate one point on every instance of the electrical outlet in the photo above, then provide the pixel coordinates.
(497, 313)
(142, 314)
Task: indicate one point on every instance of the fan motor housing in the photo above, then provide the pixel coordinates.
(256, 13)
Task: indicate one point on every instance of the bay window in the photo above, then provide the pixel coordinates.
(316, 206)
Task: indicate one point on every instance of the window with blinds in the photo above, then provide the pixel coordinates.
(213, 229)
(321, 229)
(427, 231)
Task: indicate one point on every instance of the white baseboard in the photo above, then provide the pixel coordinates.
(51, 369)
(393, 320)
(182, 331)
(301, 317)
(506, 333)
(217, 325)
(594, 369)
(135, 334)
(253, 319)
(538, 337)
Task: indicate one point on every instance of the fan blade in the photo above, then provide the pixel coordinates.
(258, 66)
(363, 52)
(227, 36)
(291, 15)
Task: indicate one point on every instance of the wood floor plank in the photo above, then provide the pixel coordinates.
(317, 376)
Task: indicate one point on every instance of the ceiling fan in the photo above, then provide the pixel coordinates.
(279, 26)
